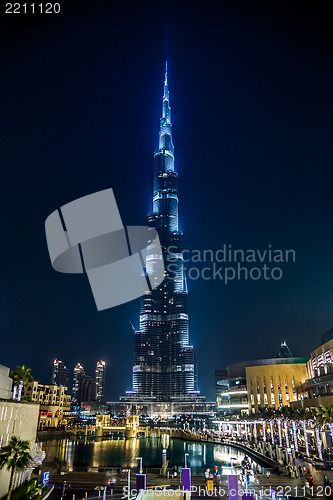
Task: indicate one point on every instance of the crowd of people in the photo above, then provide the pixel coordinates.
(293, 463)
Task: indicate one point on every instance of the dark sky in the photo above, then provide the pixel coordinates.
(251, 96)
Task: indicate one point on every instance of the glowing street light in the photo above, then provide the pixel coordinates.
(129, 483)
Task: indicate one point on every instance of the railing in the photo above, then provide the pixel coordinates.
(22, 401)
(232, 390)
(316, 380)
(250, 451)
(47, 492)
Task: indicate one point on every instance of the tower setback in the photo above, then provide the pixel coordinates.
(164, 366)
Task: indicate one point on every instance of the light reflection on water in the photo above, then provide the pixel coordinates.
(124, 452)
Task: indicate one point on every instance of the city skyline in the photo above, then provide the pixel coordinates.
(252, 90)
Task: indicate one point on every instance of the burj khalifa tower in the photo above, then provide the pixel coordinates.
(164, 363)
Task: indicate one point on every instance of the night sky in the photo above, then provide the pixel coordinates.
(251, 95)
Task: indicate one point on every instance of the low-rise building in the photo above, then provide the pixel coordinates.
(20, 419)
(232, 395)
(317, 389)
(276, 382)
(252, 386)
(165, 410)
(54, 403)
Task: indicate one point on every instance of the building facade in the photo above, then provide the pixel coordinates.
(100, 373)
(78, 373)
(252, 386)
(232, 399)
(87, 390)
(18, 419)
(54, 403)
(276, 382)
(219, 376)
(5, 383)
(162, 409)
(164, 366)
(317, 389)
(60, 374)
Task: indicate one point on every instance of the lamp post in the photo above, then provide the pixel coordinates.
(140, 458)
(129, 483)
(140, 478)
(186, 475)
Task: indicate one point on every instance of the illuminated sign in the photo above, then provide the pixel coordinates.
(46, 478)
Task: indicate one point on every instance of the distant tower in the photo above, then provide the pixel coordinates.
(60, 373)
(100, 380)
(77, 377)
(87, 390)
(284, 351)
(327, 336)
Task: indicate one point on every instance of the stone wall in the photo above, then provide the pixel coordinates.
(20, 420)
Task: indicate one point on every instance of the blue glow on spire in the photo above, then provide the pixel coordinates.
(165, 135)
(166, 91)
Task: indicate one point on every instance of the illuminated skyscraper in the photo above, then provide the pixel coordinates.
(87, 389)
(77, 377)
(100, 380)
(60, 373)
(284, 351)
(164, 367)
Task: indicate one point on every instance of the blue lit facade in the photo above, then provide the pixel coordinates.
(164, 364)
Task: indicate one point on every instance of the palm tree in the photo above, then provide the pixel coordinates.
(21, 376)
(304, 417)
(21, 373)
(15, 456)
(324, 416)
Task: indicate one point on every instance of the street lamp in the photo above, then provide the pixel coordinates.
(129, 483)
(186, 455)
(140, 458)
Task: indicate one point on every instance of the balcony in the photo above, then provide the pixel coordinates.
(234, 391)
(313, 382)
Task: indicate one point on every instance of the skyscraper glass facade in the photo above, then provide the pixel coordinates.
(164, 366)
(78, 374)
(60, 373)
(100, 380)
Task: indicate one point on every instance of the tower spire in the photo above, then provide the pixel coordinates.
(166, 80)
(165, 135)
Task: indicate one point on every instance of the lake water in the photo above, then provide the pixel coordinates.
(123, 452)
